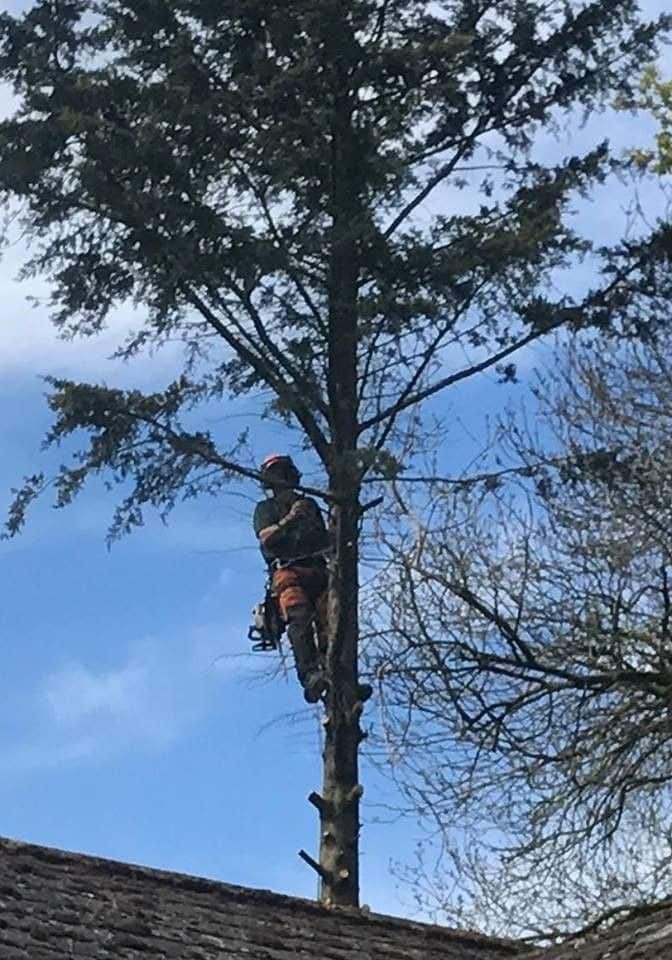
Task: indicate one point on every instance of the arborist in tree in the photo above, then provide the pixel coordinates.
(294, 542)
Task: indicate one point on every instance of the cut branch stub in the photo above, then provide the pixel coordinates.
(319, 803)
(319, 870)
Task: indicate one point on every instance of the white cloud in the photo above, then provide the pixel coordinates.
(79, 695)
(147, 702)
(8, 101)
(30, 345)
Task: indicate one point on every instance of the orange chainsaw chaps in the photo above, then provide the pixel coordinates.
(300, 586)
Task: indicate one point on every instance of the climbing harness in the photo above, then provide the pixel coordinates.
(325, 553)
(268, 625)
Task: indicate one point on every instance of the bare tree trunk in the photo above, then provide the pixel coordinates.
(341, 792)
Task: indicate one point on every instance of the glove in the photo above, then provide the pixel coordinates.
(297, 509)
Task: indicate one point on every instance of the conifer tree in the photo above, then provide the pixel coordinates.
(271, 183)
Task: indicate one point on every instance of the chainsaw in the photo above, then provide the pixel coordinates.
(267, 626)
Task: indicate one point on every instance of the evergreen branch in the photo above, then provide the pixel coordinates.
(192, 445)
(277, 236)
(284, 390)
(245, 299)
(429, 355)
(412, 399)
(442, 174)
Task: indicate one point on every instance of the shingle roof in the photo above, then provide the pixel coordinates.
(56, 905)
(644, 937)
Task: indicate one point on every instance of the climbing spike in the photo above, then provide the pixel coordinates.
(356, 712)
(355, 794)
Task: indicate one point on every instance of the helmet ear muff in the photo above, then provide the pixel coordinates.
(292, 475)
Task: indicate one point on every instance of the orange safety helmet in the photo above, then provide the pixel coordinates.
(279, 466)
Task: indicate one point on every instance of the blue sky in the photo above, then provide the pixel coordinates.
(133, 724)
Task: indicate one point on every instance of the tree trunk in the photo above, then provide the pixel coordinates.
(341, 792)
(339, 803)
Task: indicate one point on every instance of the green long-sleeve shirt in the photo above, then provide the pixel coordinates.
(302, 536)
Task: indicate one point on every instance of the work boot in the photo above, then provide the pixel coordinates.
(306, 660)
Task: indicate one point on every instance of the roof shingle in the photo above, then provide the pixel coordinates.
(56, 905)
